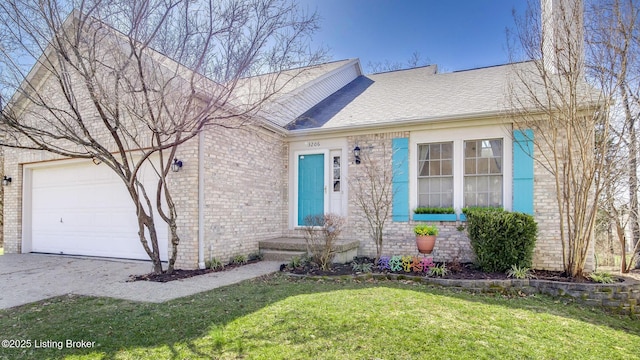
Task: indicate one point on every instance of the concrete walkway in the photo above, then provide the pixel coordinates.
(26, 278)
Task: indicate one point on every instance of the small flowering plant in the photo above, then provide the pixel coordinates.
(405, 263)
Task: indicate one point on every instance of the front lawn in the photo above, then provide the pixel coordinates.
(280, 318)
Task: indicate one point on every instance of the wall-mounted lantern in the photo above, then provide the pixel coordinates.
(356, 154)
(6, 180)
(176, 166)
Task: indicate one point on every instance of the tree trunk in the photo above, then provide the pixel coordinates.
(632, 169)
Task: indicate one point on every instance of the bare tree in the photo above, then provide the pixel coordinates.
(1, 201)
(550, 95)
(126, 82)
(613, 40)
(372, 186)
(321, 232)
(414, 61)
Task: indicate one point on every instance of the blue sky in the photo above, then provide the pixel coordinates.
(454, 34)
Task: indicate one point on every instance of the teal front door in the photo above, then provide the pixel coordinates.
(310, 186)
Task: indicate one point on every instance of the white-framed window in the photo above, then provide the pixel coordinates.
(461, 167)
(435, 174)
(483, 173)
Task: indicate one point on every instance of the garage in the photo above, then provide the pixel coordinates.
(79, 208)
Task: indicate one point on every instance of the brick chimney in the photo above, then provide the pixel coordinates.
(562, 35)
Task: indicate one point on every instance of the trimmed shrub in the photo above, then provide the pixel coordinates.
(501, 239)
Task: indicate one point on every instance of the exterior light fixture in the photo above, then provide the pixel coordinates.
(176, 166)
(356, 154)
(6, 180)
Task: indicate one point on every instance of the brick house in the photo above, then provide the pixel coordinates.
(447, 132)
(447, 136)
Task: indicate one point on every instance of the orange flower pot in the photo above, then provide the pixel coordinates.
(425, 243)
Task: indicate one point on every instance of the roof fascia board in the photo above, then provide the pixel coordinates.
(320, 78)
(397, 123)
(417, 121)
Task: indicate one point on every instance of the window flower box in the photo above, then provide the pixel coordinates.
(435, 217)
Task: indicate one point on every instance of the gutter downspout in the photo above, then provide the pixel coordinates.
(201, 263)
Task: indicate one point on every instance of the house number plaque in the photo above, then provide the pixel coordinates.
(313, 144)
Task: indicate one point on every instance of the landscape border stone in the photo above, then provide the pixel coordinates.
(621, 298)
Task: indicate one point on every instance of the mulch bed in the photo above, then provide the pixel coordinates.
(460, 271)
(179, 274)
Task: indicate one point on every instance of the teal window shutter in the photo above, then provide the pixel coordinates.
(400, 187)
(523, 171)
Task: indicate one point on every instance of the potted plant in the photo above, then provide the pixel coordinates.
(425, 237)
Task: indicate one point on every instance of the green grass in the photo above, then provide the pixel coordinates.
(1, 251)
(280, 318)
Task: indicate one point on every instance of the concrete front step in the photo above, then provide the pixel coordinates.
(286, 248)
(280, 255)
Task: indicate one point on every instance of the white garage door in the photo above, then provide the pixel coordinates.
(84, 209)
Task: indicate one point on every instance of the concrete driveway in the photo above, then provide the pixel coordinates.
(26, 278)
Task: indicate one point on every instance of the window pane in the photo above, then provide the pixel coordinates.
(470, 185)
(423, 168)
(423, 186)
(424, 152)
(435, 151)
(434, 168)
(496, 166)
(469, 166)
(447, 185)
(486, 151)
(483, 166)
(482, 183)
(496, 184)
(482, 200)
(469, 149)
(447, 199)
(447, 151)
(469, 199)
(423, 200)
(447, 167)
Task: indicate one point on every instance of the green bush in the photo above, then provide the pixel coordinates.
(467, 210)
(434, 210)
(501, 239)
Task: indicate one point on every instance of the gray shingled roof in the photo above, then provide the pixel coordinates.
(411, 94)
